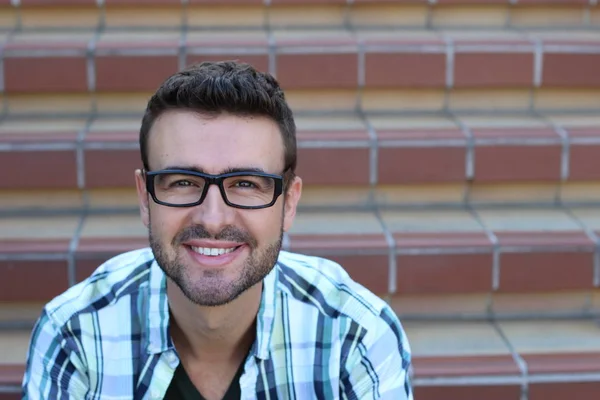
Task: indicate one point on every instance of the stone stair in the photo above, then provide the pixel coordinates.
(450, 152)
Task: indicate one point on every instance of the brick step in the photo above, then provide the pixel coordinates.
(416, 253)
(505, 360)
(331, 69)
(551, 156)
(111, 14)
(324, 197)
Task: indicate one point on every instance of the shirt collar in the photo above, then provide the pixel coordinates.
(157, 312)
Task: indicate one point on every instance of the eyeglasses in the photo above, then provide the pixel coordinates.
(183, 188)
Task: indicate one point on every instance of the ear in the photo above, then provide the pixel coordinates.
(143, 197)
(292, 197)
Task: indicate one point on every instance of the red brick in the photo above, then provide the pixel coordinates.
(583, 157)
(24, 45)
(11, 374)
(514, 162)
(93, 252)
(52, 3)
(17, 284)
(436, 274)
(444, 272)
(133, 73)
(370, 270)
(462, 43)
(84, 267)
(111, 168)
(448, 366)
(142, 2)
(114, 136)
(20, 246)
(442, 240)
(107, 45)
(470, 2)
(527, 163)
(12, 396)
(546, 271)
(412, 165)
(553, 2)
(410, 70)
(102, 248)
(571, 70)
(39, 137)
(389, 1)
(562, 363)
(45, 74)
(564, 390)
(493, 69)
(39, 169)
(228, 2)
(583, 162)
(469, 392)
(554, 239)
(427, 164)
(317, 71)
(329, 166)
(540, 265)
(258, 61)
(321, 243)
(308, 2)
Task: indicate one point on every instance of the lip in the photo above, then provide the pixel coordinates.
(216, 244)
(215, 261)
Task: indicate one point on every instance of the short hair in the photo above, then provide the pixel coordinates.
(213, 88)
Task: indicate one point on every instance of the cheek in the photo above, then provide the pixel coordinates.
(263, 225)
(165, 222)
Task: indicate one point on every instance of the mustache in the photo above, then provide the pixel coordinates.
(229, 233)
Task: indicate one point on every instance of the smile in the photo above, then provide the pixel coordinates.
(212, 251)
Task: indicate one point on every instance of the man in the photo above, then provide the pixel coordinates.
(214, 309)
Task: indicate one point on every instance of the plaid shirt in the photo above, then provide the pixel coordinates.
(319, 335)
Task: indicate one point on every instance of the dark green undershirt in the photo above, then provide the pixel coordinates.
(182, 388)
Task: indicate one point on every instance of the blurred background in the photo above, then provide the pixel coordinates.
(450, 151)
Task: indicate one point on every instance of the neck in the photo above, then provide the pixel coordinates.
(213, 334)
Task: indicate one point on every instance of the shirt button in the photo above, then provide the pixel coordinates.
(155, 394)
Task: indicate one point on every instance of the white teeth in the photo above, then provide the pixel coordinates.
(208, 251)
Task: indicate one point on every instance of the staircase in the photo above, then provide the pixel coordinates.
(450, 152)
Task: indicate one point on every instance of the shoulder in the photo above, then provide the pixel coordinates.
(326, 286)
(112, 281)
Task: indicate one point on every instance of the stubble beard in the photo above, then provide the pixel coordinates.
(213, 288)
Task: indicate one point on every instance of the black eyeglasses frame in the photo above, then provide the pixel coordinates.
(212, 180)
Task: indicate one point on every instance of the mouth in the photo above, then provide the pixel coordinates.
(213, 251)
(214, 256)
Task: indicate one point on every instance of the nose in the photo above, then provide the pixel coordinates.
(213, 213)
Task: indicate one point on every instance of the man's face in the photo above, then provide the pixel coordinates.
(181, 237)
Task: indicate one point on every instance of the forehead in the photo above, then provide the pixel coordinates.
(215, 143)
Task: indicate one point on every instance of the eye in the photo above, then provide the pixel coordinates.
(245, 184)
(182, 183)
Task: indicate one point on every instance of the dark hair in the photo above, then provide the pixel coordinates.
(212, 88)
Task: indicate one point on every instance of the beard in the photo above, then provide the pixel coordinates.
(214, 287)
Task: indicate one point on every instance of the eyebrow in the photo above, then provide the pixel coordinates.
(225, 171)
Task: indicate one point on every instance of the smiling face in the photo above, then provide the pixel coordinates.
(214, 252)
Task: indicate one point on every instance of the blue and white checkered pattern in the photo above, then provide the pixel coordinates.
(320, 335)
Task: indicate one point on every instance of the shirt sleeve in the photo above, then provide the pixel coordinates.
(54, 368)
(378, 362)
